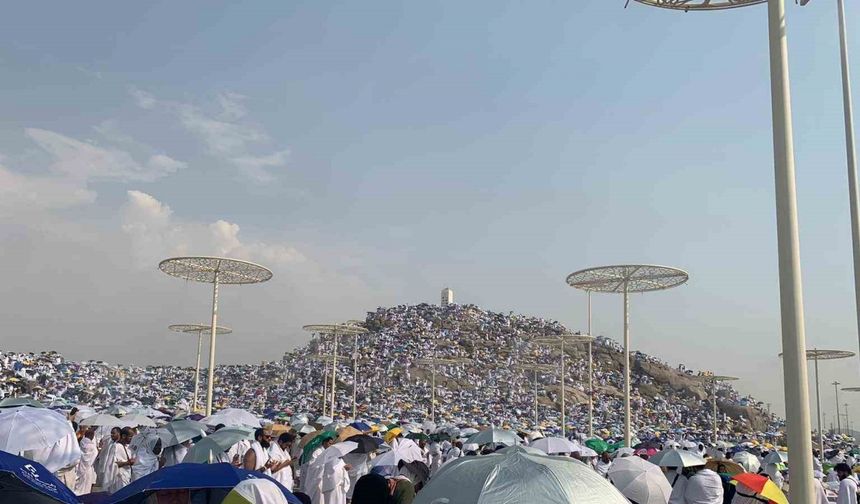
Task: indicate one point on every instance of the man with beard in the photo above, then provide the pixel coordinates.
(257, 457)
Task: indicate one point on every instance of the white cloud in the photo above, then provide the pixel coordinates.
(226, 134)
(256, 166)
(83, 161)
(27, 193)
(143, 99)
(156, 234)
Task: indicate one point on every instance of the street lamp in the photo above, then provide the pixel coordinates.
(836, 385)
(816, 355)
(433, 362)
(626, 279)
(217, 271)
(560, 340)
(713, 380)
(536, 368)
(851, 156)
(788, 243)
(200, 329)
(335, 330)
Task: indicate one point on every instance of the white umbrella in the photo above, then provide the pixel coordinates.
(405, 450)
(677, 458)
(306, 429)
(514, 475)
(300, 419)
(624, 452)
(135, 420)
(428, 427)
(117, 409)
(468, 431)
(494, 437)
(179, 431)
(748, 461)
(150, 412)
(554, 445)
(232, 416)
(23, 429)
(640, 481)
(324, 420)
(776, 457)
(102, 420)
(82, 413)
(336, 451)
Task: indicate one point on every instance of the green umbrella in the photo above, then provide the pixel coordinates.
(179, 431)
(615, 446)
(316, 443)
(205, 451)
(597, 445)
(14, 402)
(418, 436)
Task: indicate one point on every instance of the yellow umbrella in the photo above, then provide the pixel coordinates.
(761, 485)
(393, 433)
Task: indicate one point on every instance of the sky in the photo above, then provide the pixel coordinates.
(371, 155)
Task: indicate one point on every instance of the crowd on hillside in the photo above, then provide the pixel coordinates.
(487, 387)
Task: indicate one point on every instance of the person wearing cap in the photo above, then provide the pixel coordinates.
(847, 484)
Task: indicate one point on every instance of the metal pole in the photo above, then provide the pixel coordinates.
(197, 370)
(212, 337)
(433, 393)
(848, 110)
(818, 406)
(333, 374)
(325, 383)
(590, 376)
(536, 403)
(714, 393)
(627, 433)
(563, 426)
(838, 416)
(847, 423)
(791, 293)
(354, 378)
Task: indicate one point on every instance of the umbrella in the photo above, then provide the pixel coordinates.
(494, 437)
(317, 439)
(761, 485)
(136, 420)
(728, 467)
(23, 481)
(420, 473)
(205, 451)
(150, 412)
(336, 451)
(468, 432)
(232, 416)
(597, 445)
(14, 402)
(624, 452)
(306, 429)
(180, 431)
(347, 432)
(363, 427)
(299, 419)
(417, 436)
(551, 445)
(324, 420)
(393, 433)
(366, 444)
(677, 458)
(23, 429)
(117, 409)
(648, 452)
(516, 476)
(216, 479)
(405, 450)
(83, 413)
(639, 480)
(102, 420)
(428, 426)
(776, 457)
(748, 461)
(255, 491)
(527, 449)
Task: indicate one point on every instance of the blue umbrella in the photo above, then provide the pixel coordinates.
(363, 427)
(23, 481)
(208, 483)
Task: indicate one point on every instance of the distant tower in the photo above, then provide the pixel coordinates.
(447, 297)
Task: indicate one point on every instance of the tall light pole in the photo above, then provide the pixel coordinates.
(851, 156)
(217, 271)
(626, 279)
(560, 340)
(713, 380)
(199, 330)
(798, 424)
(335, 330)
(816, 355)
(836, 385)
(536, 368)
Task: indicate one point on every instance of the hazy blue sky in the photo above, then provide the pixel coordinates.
(372, 155)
